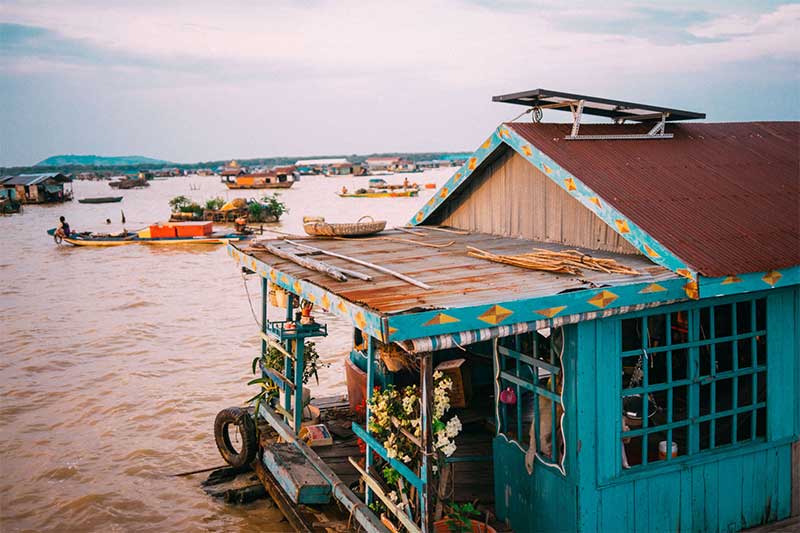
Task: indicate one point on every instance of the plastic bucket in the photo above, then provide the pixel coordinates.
(662, 450)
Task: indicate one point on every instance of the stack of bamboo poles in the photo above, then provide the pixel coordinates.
(563, 262)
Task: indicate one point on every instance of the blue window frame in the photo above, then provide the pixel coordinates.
(693, 380)
(530, 383)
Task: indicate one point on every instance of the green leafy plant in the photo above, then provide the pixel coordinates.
(255, 209)
(273, 206)
(179, 203)
(215, 203)
(459, 519)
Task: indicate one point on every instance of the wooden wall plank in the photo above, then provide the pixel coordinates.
(498, 200)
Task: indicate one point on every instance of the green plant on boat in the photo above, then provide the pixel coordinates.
(179, 203)
(275, 359)
(256, 211)
(273, 206)
(215, 203)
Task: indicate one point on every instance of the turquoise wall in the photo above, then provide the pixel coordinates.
(722, 490)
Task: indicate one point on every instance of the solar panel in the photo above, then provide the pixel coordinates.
(617, 110)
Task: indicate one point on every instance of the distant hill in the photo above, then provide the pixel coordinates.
(99, 161)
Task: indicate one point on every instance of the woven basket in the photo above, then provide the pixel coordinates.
(317, 227)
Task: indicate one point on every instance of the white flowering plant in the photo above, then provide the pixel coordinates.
(392, 409)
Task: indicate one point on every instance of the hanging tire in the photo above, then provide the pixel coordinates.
(249, 444)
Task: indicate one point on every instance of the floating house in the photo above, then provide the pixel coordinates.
(620, 303)
(318, 166)
(380, 165)
(42, 188)
(345, 169)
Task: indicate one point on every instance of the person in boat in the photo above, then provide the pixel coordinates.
(344, 190)
(406, 184)
(108, 221)
(240, 224)
(63, 228)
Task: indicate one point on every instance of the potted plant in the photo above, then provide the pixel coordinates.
(459, 520)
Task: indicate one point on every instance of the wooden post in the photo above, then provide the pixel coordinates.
(370, 387)
(426, 414)
(264, 304)
(298, 384)
(287, 362)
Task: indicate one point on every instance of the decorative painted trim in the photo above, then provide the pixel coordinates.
(429, 323)
(360, 317)
(754, 281)
(456, 180)
(625, 227)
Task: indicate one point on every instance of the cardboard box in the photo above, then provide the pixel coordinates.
(193, 229)
(316, 435)
(458, 372)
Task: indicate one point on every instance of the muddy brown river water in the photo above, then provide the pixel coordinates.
(114, 362)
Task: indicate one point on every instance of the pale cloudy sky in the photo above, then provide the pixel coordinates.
(194, 80)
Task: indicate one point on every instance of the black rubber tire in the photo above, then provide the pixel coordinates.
(244, 422)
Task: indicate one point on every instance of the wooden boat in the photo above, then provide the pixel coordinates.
(129, 183)
(120, 239)
(265, 185)
(317, 226)
(380, 194)
(100, 200)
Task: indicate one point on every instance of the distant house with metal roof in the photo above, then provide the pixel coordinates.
(624, 300)
(39, 188)
(318, 166)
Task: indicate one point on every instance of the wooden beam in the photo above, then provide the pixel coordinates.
(367, 264)
(305, 262)
(378, 490)
(286, 507)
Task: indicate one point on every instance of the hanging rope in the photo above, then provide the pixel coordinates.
(250, 300)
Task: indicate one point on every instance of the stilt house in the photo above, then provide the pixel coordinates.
(653, 385)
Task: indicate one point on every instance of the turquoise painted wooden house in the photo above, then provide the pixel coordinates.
(648, 383)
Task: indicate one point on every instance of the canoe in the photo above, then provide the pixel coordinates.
(317, 227)
(100, 200)
(381, 194)
(99, 239)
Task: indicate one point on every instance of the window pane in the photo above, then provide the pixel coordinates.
(761, 350)
(723, 433)
(722, 321)
(632, 451)
(743, 317)
(724, 395)
(705, 360)
(657, 369)
(680, 327)
(705, 399)
(743, 427)
(631, 372)
(680, 436)
(656, 331)
(631, 334)
(705, 323)
(745, 354)
(705, 435)
(761, 314)
(761, 422)
(680, 403)
(745, 391)
(761, 387)
(724, 357)
(680, 364)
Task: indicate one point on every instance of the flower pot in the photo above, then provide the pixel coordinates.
(477, 527)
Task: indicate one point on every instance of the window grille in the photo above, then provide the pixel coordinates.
(529, 379)
(692, 380)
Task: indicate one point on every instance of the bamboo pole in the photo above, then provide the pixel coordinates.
(367, 264)
(311, 264)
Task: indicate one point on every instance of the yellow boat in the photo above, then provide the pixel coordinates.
(143, 237)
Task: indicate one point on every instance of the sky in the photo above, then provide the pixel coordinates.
(198, 80)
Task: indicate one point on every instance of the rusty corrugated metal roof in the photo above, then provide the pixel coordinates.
(458, 280)
(723, 197)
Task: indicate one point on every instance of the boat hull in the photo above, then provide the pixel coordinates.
(101, 200)
(388, 194)
(283, 185)
(163, 241)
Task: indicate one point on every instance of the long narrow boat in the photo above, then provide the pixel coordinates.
(100, 200)
(380, 194)
(276, 185)
(102, 239)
